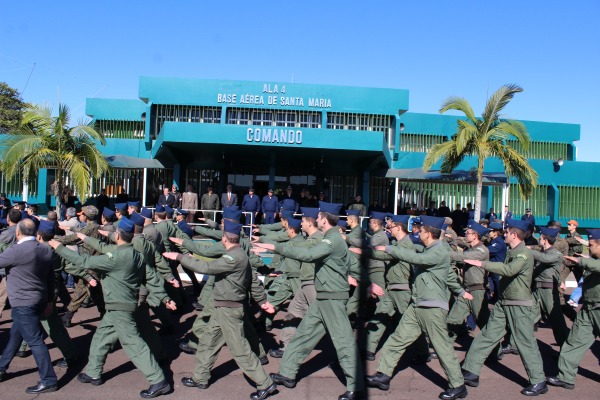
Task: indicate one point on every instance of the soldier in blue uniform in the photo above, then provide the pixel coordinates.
(288, 201)
(250, 206)
(269, 207)
(497, 249)
(528, 217)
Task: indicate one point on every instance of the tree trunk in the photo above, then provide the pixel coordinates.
(59, 188)
(477, 215)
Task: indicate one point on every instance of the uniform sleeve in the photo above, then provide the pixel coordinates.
(381, 256)
(453, 283)
(478, 253)
(275, 237)
(218, 266)
(209, 233)
(257, 289)
(510, 269)
(315, 253)
(206, 250)
(591, 264)
(101, 263)
(99, 246)
(355, 268)
(547, 258)
(424, 260)
(156, 288)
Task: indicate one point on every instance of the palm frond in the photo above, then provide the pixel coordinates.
(517, 166)
(466, 134)
(459, 104)
(438, 151)
(499, 99)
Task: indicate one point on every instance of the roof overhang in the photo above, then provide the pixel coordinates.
(456, 176)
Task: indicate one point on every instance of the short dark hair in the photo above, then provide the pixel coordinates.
(554, 224)
(125, 236)
(232, 237)
(161, 214)
(331, 218)
(14, 215)
(27, 227)
(402, 226)
(112, 218)
(52, 216)
(435, 232)
(296, 230)
(46, 237)
(138, 229)
(311, 220)
(521, 234)
(549, 238)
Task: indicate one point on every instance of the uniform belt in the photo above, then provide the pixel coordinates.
(307, 283)
(399, 286)
(478, 286)
(545, 285)
(227, 303)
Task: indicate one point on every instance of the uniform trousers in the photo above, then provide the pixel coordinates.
(297, 309)
(586, 328)
(463, 307)
(547, 301)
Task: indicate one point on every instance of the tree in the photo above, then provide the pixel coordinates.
(486, 137)
(44, 141)
(11, 108)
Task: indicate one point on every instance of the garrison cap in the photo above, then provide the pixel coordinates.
(477, 227)
(251, 189)
(287, 214)
(21, 202)
(593, 234)
(331, 208)
(186, 228)
(416, 220)
(294, 223)
(126, 225)
(310, 212)
(549, 231)
(435, 222)
(232, 213)
(182, 212)
(496, 226)
(289, 187)
(353, 212)
(137, 219)
(270, 190)
(159, 208)
(134, 203)
(120, 206)
(528, 210)
(169, 211)
(146, 213)
(288, 204)
(403, 219)
(232, 227)
(46, 227)
(342, 223)
(378, 215)
(108, 213)
(514, 223)
(89, 211)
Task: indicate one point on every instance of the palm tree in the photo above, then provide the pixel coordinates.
(44, 141)
(486, 137)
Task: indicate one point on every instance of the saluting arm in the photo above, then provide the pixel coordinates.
(547, 258)
(315, 253)
(217, 266)
(591, 264)
(510, 269)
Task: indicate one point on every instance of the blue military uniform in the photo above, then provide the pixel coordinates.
(269, 207)
(497, 249)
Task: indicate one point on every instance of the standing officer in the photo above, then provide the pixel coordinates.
(229, 198)
(250, 206)
(327, 314)
(587, 323)
(497, 250)
(288, 201)
(528, 217)
(514, 310)
(269, 207)
(209, 201)
(428, 312)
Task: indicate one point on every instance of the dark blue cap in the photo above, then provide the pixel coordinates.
(353, 212)
(24, 215)
(288, 204)
(477, 227)
(287, 214)
(331, 208)
(169, 211)
(126, 225)
(401, 218)
(121, 206)
(137, 219)
(416, 220)
(294, 223)
(186, 228)
(159, 208)
(146, 213)
(515, 223)
(310, 212)
(182, 212)
(496, 226)
(108, 213)
(46, 227)
(232, 213)
(549, 231)
(232, 227)
(342, 223)
(134, 203)
(378, 215)
(593, 234)
(435, 222)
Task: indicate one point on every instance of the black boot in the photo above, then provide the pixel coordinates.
(379, 380)
(66, 319)
(282, 380)
(554, 381)
(454, 393)
(470, 378)
(264, 393)
(156, 390)
(350, 396)
(534, 390)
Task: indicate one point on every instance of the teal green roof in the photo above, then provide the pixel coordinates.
(115, 109)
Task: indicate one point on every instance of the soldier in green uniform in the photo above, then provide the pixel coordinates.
(586, 327)
(232, 277)
(327, 314)
(427, 313)
(514, 310)
(474, 281)
(546, 276)
(355, 239)
(123, 271)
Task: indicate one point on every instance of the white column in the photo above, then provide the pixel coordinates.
(504, 199)
(144, 183)
(396, 196)
(25, 189)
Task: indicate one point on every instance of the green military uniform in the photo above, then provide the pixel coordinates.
(123, 271)
(514, 309)
(233, 276)
(327, 314)
(291, 274)
(398, 295)
(427, 313)
(546, 274)
(168, 229)
(586, 326)
(355, 238)
(474, 282)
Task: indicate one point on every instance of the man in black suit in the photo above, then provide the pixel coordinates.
(229, 198)
(4, 205)
(166, 199)
(30, 284)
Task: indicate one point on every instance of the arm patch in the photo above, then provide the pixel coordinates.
(109, 255)
(326, 241)
(523, 256)
(228, 258)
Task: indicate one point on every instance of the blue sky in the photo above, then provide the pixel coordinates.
(434, 49)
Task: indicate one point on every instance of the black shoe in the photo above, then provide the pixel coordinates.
(282, 380)
(62, 363)
(197, 306)
(422, 359)
(554, 381)
(454, 393)
(2, 375)
(22, 354)
(85, 378)
(41, 388)
(433, 355)
(369, 356)
(276, 353)
(264, 393)
(66, 319)
(186, 348)
(509, 350)
(156, 390)
(268, 328)
(350, 396)
(166, 330)
(379, 380)
(470, 378)
(534, 390)
(264, 360)
(190, 382)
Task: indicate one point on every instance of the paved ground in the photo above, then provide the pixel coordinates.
(317, 381)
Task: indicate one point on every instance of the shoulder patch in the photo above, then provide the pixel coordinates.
(494, 244)
(480, 249)
(523, 256)
(228, 258)
(326, 241)
(109, 255)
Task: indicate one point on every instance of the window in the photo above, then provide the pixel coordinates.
(285, 118)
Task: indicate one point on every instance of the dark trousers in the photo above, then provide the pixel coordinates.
(269, 217)
(26, 325)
